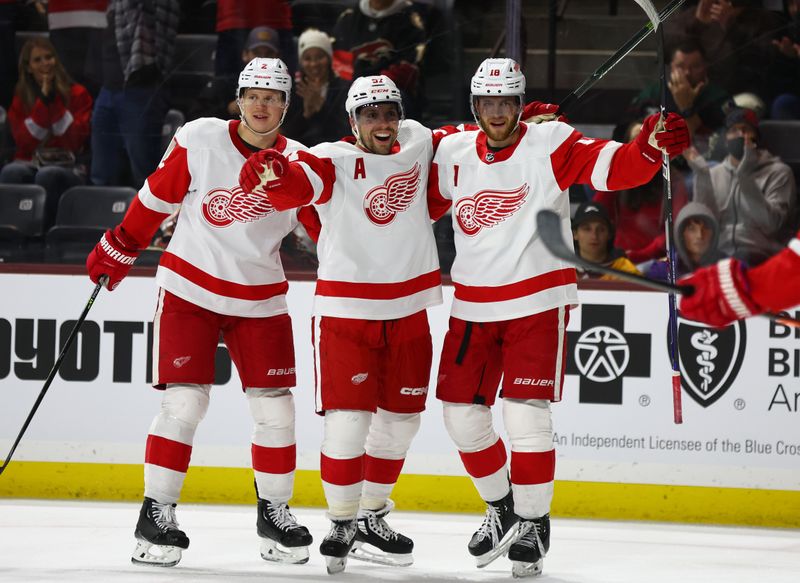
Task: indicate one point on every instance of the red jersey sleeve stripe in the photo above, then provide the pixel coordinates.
(324, 172)
(170, 182)
(437, 204)
(512, 291)
(574, 159)
(219, 286)
(379, 291)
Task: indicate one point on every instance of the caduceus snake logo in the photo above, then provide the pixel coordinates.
(703, 342)
(222, 207)
(395, 195)
(488, 208)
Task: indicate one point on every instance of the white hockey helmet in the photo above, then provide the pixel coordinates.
(372, 90)
(261, 73)
(496, 77)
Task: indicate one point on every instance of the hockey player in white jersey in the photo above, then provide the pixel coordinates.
(512, 298)
(378, 272)
(221, 273)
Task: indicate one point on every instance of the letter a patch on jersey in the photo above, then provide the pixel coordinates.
(360, 170)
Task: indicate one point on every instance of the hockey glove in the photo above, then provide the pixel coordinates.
(721, 295)
(538, 112)
(113, 257)
(262, 171)
(670, 135)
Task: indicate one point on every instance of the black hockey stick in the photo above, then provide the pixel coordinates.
(54, 370)
(612, 61)
(548, 224)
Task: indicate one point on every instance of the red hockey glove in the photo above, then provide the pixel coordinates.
(538, 112)
(263, 170)
(721, 294)
(670, 136)
(113, 256)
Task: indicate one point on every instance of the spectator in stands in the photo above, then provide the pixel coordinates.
(49, 119)
(381, 37)
(8, 61)
(785, 74)
(76, 30)
(593, 234)
(318, 97)
(752, 192)
(690, 94)
(218, 99)
(235, 20)
(736, 37)
(696, 238)
(639, 213)
(138, 49)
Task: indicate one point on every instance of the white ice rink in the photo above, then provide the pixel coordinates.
(91, 542)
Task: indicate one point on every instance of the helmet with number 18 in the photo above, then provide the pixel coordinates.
(497, 78)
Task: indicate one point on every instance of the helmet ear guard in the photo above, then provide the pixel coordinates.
(262, 73)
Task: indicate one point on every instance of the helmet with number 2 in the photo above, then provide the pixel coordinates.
(496, 77)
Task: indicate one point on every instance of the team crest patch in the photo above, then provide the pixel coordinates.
(180, 361)
(710, 358)
(395, 195)
(359, 378)
(222, 207)
(488, 208)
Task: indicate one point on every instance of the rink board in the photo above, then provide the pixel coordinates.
(734, 460)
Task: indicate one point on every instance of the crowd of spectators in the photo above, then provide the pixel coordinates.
(88, 105)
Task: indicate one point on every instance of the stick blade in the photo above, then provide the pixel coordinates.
(549, 224)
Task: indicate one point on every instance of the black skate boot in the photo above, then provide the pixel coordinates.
(394, 548)
(337, 544)
(528, 551)
(158, 539)
(496, 533)
(282, 539)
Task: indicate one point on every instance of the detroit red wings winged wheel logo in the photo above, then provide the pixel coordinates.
(222, 207)
(383, 202)
(488, 208)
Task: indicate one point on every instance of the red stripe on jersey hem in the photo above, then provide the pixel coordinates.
(512, 291)
(382, 471)
(167, 453)
(221, 287)
(536, 467)
(341, 472)
(379, 291)
(274, 460)
(485, 462)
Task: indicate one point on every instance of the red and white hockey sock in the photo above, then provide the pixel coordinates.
(342, 461)
(273, 449)
(487, 468)
(169, 443)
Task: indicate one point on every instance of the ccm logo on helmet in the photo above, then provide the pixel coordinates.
(533, 382)
(280, 371)
(414, 391)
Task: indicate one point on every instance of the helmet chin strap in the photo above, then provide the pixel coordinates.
(249, 127)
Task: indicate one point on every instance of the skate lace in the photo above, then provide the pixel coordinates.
(342, 532)
(492, 526)
(529, 534)
(281, 516)
(164, 517)
(379, 526)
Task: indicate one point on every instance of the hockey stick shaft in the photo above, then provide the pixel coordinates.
(621, 53)
(54, 370)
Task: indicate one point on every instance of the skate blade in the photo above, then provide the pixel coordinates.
(273, 552)
(521, 570)
(146, 553)
(335, 564)
(500, 550)
(378, 557)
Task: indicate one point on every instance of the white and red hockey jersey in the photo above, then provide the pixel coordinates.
(502, 270)
(377, 254)
(223, 255)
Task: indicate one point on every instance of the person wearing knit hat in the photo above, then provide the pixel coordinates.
(318, 96)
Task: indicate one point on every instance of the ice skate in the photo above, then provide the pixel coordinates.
(377, 542)
(282, 539)
(159, 541)
(337, 543)
(497, 532)
(529, 549)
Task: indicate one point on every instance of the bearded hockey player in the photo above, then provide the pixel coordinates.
(728, 291)
(221, 273)
(512, 298)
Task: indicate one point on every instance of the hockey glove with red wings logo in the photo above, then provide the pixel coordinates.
(721, 296)
(670, 136)
(113, 256)
(539, 112)
(263, 170)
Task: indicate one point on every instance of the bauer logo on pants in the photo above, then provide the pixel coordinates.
(710, 358)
